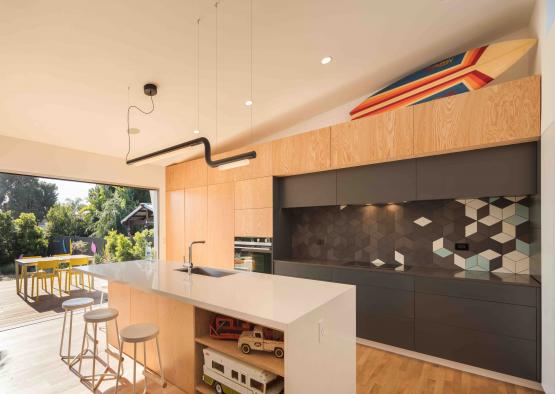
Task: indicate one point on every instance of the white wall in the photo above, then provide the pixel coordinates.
(545, 64)
(32, 158)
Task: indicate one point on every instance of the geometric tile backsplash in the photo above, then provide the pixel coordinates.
(495, 231)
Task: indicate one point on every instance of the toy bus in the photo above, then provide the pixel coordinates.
(228, 375)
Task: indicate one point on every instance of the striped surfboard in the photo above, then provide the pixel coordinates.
(461, 73)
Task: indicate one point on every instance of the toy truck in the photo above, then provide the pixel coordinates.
(257, 340)
(224, 327)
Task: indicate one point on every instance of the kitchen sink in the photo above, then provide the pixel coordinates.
(207, 271)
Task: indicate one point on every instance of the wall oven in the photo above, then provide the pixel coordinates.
(253, 254)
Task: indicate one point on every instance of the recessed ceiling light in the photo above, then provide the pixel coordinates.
(196, 131)
(134, 130)
(326, 60)
(248, 103)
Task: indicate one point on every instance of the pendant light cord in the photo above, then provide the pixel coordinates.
(217, 58)
(251, 97)
(129, 108)
(198, 74)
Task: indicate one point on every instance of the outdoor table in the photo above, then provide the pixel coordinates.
(22, 264)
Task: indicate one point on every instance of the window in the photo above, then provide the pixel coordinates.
(217, 366)
(234, 375)
(255, 384)
(243, 379)
(257, 335)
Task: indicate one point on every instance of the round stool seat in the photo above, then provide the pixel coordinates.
(76, 303)
(138, 332)
(101, 315)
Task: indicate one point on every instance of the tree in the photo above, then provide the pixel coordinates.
(20, 194)
(29, 237)
(67, 219)
(7, 238)
(121, 248)
(108, 205)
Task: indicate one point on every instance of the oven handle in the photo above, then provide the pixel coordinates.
(259, 250)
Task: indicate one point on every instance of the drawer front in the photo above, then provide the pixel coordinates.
(302, 270)
(496, 318)
(391, 330)
(513, 356)
(380, 279)
(374, 300)
(510, 294)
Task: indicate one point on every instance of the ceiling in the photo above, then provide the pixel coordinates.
(70, 67)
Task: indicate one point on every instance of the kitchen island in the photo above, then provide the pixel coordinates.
(317, 320)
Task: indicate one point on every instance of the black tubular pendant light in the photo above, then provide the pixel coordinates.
(226, 163)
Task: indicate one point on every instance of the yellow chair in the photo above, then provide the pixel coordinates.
(20, 279)
(63, 262)
(69, 273)
(46, 270)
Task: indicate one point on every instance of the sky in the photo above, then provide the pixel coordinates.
(70, 189)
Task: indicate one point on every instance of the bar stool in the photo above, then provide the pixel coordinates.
(94, 317)
(137, 333)
(69, 306)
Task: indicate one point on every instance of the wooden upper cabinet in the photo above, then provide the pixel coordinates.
(301, 153)
(175, 225)
(503, 114)
(195, 173)
(196, 211)
(254, 222)
(254, 193)
(175, 177)
(373, 139)
(220, 225)
(260, 166)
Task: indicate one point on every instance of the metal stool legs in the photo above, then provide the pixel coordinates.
(128, 335)
(70, 306)
(95, 379)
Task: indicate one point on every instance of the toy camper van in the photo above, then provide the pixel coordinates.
(228, 375)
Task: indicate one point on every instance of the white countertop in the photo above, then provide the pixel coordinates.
(271, 300)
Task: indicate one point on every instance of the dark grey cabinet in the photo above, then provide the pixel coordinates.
(513, 356)
(503, 171)
(378, 183)
(385, 306)
(488, 325)
(308, 190)
(303, 270)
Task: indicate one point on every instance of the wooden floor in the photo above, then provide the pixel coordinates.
(15, 312)
(29, 361)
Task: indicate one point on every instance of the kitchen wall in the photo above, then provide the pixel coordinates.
(542, 26)
(497, 231)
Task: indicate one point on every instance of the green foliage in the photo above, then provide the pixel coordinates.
(79, 247)
(140, 241)
(21, 194)
(30, 239)
(108, 205)
(121, 248)
(67, 219)
(7, 238)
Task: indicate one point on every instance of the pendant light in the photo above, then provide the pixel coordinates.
(235, 161)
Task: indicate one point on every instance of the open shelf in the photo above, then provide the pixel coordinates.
(203, 388)
(263, 360)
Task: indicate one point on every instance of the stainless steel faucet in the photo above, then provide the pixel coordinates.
(191, 254)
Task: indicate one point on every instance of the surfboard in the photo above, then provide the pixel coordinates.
(457, 74)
